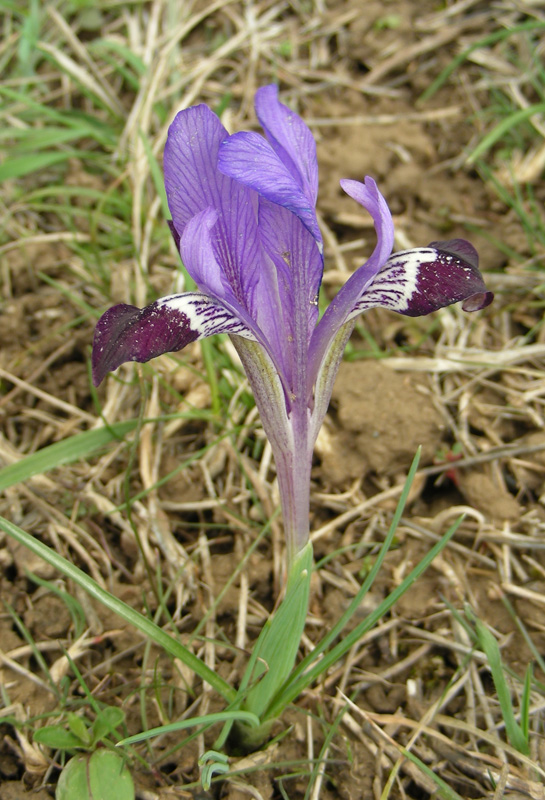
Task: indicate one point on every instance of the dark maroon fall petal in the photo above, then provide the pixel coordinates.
(417, 282)
(127, 333)
(459, 248)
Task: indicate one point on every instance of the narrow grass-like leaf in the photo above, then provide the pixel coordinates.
(280, 637)
(299, 680)
(27, 636)
(75, 609)
(75, 448)
(443, 789)
(24, 165)
(504, 127)
(32, 139)
(141, 623)
(525, 702)
(488, 644)
(486, 41)
(183, 724)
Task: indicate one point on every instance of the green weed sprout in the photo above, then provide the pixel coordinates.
(98, 773)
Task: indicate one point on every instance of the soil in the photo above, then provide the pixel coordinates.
(390, 399)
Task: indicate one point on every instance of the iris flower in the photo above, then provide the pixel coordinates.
(244, 220)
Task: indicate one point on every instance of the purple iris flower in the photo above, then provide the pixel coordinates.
(243, 217)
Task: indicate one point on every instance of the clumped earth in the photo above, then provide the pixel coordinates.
(467, 389)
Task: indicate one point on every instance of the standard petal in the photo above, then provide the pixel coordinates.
(190, 163)
(194, 184)
(417, 282)
(298, 266)
(340, 308)
(126, 333)
(250, 159)
(290, 137)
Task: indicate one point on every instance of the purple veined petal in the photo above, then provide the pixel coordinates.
(194, 184)
(249, 158)
(190, 159)
(127, 333)
(298, 266)
(261, 304)
(199, 258)
(368, 195)
(419, 281)
(340, 308)
(290, 137)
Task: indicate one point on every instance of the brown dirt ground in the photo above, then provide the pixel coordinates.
(381, 412)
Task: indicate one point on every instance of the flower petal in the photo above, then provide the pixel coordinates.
(192, 181)
(126, 333)
(250, 159)
(298, 267)
(290, 138)
(194, 184)
(340, 308)
(417, 282)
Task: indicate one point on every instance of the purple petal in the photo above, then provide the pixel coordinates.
(194, 184)
(250, 159)
(417, 282)
(199, 258)
(460, 248)
(190, 159)
(291, 139)
(298, 267)
(126, 333)
(339, 310)
(174, 233)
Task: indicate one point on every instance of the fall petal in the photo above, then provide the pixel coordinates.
(419, 281)
(127, 333)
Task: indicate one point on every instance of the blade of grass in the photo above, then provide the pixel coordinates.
(502, 128)
(210, 719)
(299, 681)
(134, 618)
(77, 447)
(25, 165)
(443, 789)
(486, 41)
(488, 644)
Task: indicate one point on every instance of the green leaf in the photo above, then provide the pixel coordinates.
(162, 639)
(24, 165)
(443, 789)
(278, 643)
(57, 737)
(183, 724)
(79, 728)
(106, 722)
(101, 776)
(77, 447)
(504, 127)
(488, 644)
